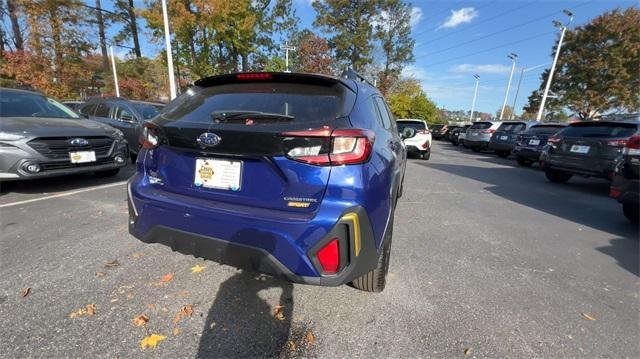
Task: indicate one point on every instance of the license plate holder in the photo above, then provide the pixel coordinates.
(218, 174)
(504, 138)
(82, 156)
(534, 142)
(580, 149)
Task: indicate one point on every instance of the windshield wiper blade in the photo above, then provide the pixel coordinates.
(225, 116)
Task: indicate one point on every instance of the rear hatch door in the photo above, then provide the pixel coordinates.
(595, 140)
(507, 132)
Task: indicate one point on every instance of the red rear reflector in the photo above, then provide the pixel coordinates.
(329, 257)
(614, 192)
(425, 145)
(254, 76)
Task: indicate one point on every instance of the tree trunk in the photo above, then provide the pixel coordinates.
(56, 35)
(134, 29)
(15, 25)
(103, 39)
(245, 62)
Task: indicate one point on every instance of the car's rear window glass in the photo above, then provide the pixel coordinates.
(436, 127)
(410, 124)
(512, 127)
(481, 125)
(147, 111)
(306, 103)
(600, 129)
(103, 110)
(544, 130)
(26, 104)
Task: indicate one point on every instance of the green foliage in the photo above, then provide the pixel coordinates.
(407, 100)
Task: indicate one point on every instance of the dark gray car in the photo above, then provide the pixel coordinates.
(40, 137)
(125, 115)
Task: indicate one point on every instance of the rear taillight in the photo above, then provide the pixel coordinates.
(424, 132)
(329, 257)
(553, 140)
(632, 147)
(614, 192)
(326, 147)
(150, 136)
(519, 140)
(616, 143)
(254, 76)
(489, 131)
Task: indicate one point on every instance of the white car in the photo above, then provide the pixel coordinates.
(416, 136)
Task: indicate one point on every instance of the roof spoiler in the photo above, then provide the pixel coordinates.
(351, 74)
(297, 77)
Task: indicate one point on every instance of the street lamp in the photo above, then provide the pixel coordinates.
(475, 93)
(115, 74)
(287, 48)
(555, 60)
(515, 99)
(167, 42)
(514, 58)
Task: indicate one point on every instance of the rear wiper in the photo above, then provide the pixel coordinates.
(225, 116)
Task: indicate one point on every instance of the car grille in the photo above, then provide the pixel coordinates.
(57, 148)
(49, 166)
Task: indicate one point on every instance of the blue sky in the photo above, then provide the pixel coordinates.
(456, 39)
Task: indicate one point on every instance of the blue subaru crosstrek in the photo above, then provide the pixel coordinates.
(284, 173)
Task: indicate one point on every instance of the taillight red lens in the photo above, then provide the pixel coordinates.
(329, 257)
(633, 146)
(326, 147)
(424, 132)
(490, 131)
(614, 192)
(254, 76)
(553, 139)
(617, 143)
(149, 138)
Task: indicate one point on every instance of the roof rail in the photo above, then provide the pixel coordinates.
(351, 74)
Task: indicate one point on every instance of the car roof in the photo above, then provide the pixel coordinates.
(549, 124)
(8, 89)
(586, 123)
(410, 120)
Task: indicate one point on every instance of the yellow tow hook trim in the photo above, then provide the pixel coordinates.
(355, 221)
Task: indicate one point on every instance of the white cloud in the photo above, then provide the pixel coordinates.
(458, 17)
(415, 72)
(481, 69)
(416, 16)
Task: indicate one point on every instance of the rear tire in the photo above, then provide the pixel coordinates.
(632, 212)
(425, 155)
(107, 173)
(524, 162)
(557, 176)
(376, 279)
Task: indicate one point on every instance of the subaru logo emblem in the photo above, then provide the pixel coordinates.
(208, 139)
(78, 142)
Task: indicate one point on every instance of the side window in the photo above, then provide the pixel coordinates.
(122, 113)
(386, 119)
(394, 124)
(372, 110)
(103, 110)
(88, 109)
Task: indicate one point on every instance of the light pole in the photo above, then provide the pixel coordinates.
(514, 58)
(115, 74)
(167, 42)
(287, 48)
(515, 99)
(475, 93)
(555, 61)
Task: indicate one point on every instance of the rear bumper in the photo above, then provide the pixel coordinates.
(583, 167)
(528, 153)
(415, 149)
(495, 146)
(280, 246)
(475, 144)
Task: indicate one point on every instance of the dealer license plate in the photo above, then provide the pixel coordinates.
(216, 173)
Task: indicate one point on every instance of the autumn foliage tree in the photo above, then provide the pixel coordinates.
(407, 99)
(314, 55)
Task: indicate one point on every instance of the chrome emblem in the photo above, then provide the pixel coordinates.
(78, 142)
(208, 139)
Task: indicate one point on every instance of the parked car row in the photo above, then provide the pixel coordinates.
(601, 149)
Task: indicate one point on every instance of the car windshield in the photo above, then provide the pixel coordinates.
(410, 124)
(512, 127)
(600, 129)
(306, 103)
(481, 125)
(29, 104)
(544, 130)
(147, 110)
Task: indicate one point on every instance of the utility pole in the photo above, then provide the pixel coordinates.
(115, 74)
(555, 61)
(287, 48)
(514, 58)
(167, 42)
(475, 93)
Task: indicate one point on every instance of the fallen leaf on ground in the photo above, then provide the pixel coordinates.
(88, 310)
(140, 320)
(151, 341)
(113, 300)
(310, 337)
(587, 316)
(176, 331)
(151, 306)
(112, 264)
(100, 274)
(25, 291)
(278, 312)
(197, 268)
(292, 345)
(467, 351)
(166, 278)
(137, 255)
(185, 311)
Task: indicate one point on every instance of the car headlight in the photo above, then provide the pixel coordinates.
(6, 136)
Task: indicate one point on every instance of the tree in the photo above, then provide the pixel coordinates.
(393, 30)
(12, 9)
(350, 23)
(597, 70)
(101, 35)
(313, 54)
(125, 12)
(507, 113)
(407, 100)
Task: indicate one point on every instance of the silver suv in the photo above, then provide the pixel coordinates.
(479, 134)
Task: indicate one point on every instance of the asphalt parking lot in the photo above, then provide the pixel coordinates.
(488, 260)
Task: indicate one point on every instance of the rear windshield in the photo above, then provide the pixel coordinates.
(27, 104)
(436, 127)
(600, 129)
(147, 110)
(544, 130)
(512, 127)
(481, 125)
(304, 102)
(410, 124)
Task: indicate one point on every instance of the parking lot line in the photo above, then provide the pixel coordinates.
(63, 194)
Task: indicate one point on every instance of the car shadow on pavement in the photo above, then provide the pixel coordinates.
(241, 324)
(625, 252)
